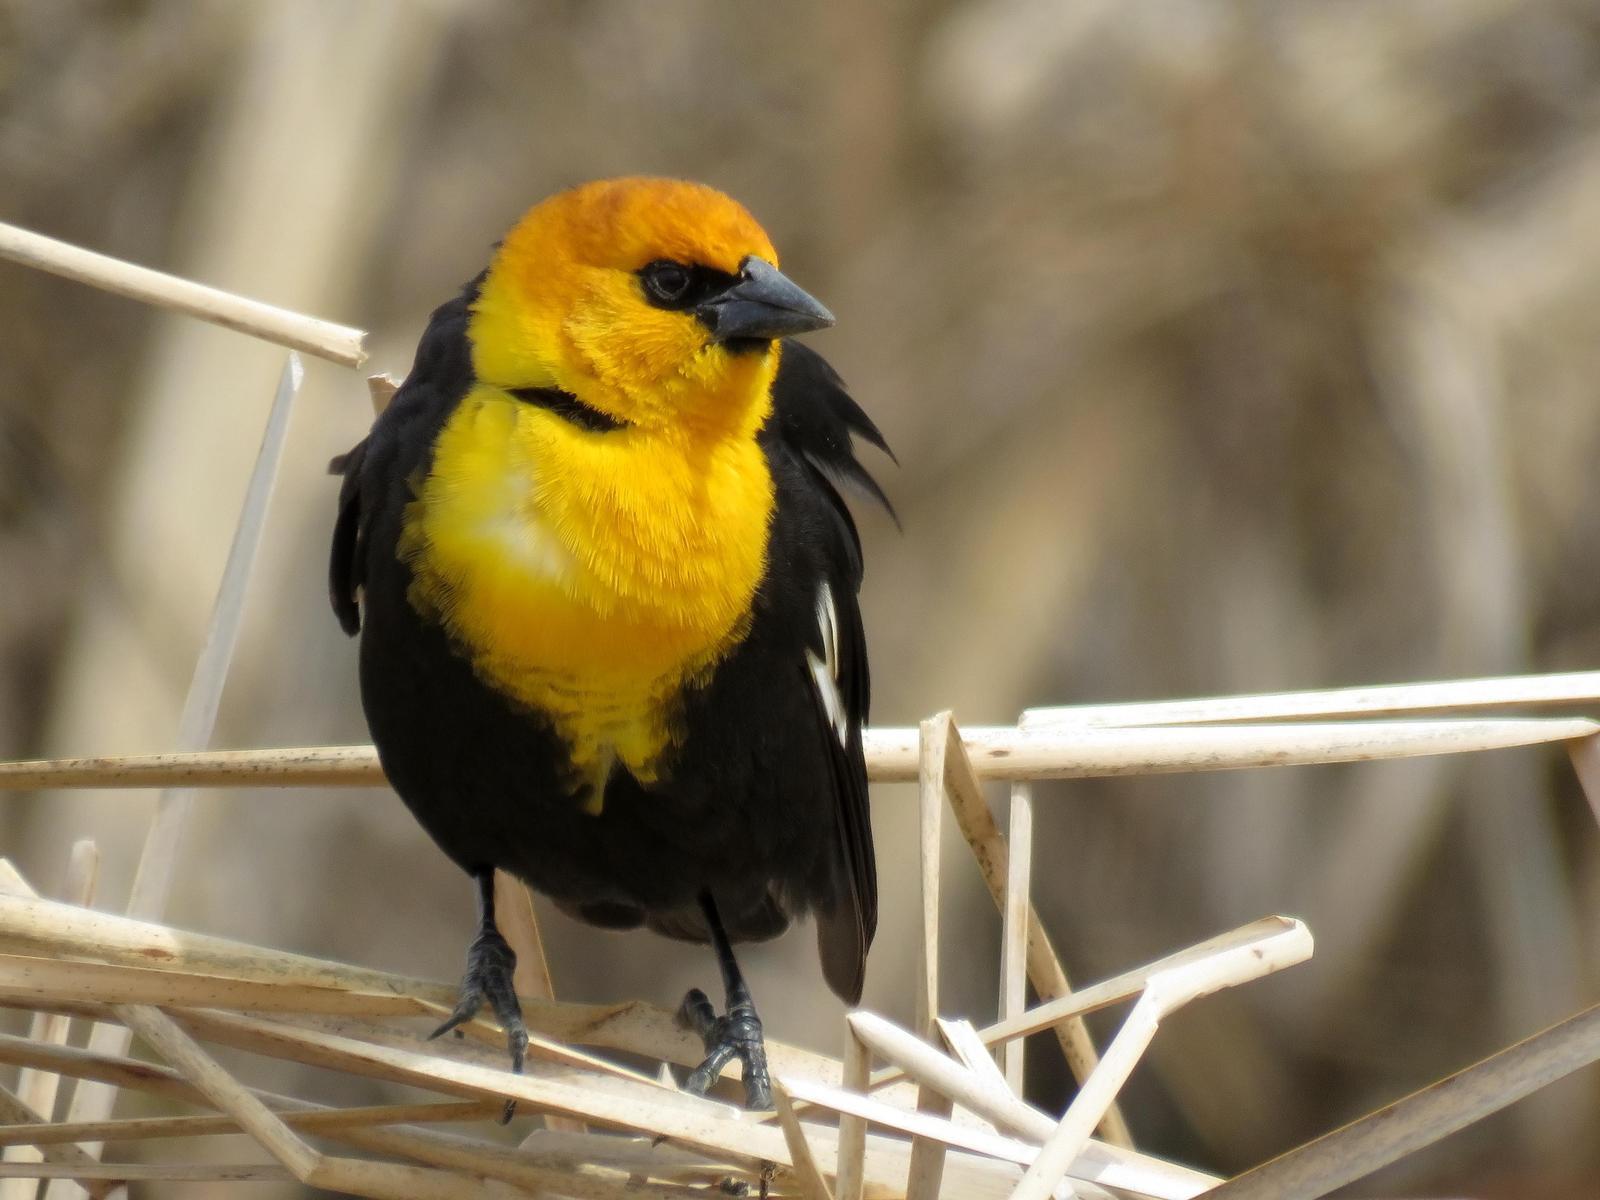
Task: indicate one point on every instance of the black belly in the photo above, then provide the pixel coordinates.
(741, 808)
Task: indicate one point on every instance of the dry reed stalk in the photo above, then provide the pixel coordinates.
(973, 1054)
(1101, 1163)
(1049, 978)
(39, 928)
(809, 1177)
(336, 343)
(921, 1062)
(855, 1076)
(1585, 755)
(1014, 924)
(1453, 695)
(1049, 751)
(27, 980)
(100, 1178)
(157, 864)
(37, 1090)
(351, 1126)
(705, 1124)
(925, 1173)
(381, 390)
(159, 1031)
(931, 753)
(152, 882)
(1164, 993)
(131, 1129)
(519, 924)
(916, 1122)
(1422, 1118)
(1124, 986)
(14, 1111)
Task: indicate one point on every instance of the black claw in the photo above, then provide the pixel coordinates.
(490, 966)
(737, 1034)
(696, 1013)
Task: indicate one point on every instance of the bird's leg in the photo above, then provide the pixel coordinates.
(490, 963)
(735, 1034)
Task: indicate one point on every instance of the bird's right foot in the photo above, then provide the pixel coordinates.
(735, 1034)
(490, 965)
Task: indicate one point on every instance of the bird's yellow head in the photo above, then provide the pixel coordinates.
(655, 301)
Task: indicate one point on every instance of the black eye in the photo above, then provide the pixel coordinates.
(668, 283)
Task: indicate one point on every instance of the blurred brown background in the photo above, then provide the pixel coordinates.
(1224, 346)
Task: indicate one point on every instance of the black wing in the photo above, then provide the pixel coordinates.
(815, 418)
(440, 374)
(345, 571)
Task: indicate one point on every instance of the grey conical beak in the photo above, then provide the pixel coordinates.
(764, 304)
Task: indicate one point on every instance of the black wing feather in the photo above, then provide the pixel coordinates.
(345, 571)
(815, 419)
(439, 374)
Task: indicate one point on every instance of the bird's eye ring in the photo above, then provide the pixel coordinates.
(667, 282)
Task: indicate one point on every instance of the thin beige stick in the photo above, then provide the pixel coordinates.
(52, 928)
(1122, 987)
(509, 1166)
(114, 1069)
(319, 1121)
(163, 1035)
(109, 1176)
(1585, 755)
(1422, 1118)
(920, 1124)
(1014, 926)
(705, 1124)
(925, 1174)
(25, 980)
(886, 1160)
(11, 881)
(996, 752)
(45, 928)
(342, 1125)
(519, 924)
(812, 1185)
(1577, 688)
(634, 1153)
(1044, 965)
(317, 766)
(854, 1077)
(996, 1104)
(381, 390)
(551, 1061)
(152, 881)
(359, 1176)
(14, 1111)
(38, 1089)
(401, 1181)
(336, 343)
(1164, 993)
(970, 1050)
(935, 732)
(1100, 1164)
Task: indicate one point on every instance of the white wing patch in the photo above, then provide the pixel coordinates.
(825, 669)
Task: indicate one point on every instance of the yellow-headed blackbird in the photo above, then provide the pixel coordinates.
(606, 589)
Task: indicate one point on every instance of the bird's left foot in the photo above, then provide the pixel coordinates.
(490, 966)
(735, 1034)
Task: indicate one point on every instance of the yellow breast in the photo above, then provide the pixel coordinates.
(591, 576)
